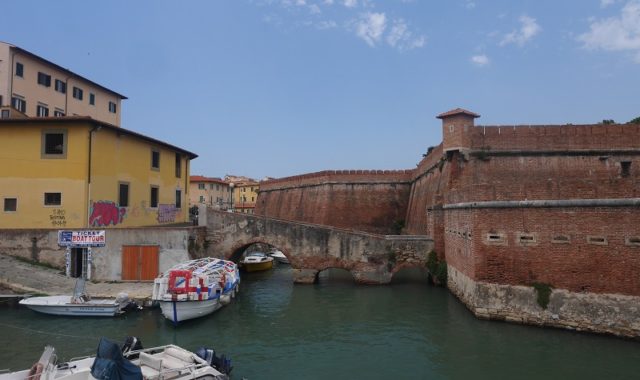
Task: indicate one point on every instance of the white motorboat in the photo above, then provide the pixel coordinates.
(279, 257)
(196, 288)
(79, 304)
(128, 363)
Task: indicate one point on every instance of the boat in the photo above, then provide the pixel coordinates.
(129, 362)
(196, 288)
(80, 304)
(279, 257)
(256, 261)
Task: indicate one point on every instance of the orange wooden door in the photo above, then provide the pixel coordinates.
(140, 262)
(149, 262)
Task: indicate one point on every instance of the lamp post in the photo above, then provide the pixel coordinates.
(231, 185)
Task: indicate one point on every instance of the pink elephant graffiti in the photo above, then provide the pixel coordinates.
(104, 213)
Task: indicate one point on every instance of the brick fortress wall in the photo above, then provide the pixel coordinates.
(366, 200)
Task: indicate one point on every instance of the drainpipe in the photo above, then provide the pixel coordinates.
(94, 129)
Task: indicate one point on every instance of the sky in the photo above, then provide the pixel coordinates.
(285, 87)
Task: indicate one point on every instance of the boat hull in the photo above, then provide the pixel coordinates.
(61, 305)
(185, 310)
(256, 267)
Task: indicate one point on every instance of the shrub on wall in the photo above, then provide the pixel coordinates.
(544, 293)
(437, 269)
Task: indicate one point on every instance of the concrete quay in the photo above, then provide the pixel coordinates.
(24, 278)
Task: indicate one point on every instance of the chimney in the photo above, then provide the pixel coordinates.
(456, 125)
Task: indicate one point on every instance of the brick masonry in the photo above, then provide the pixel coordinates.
(588, 253)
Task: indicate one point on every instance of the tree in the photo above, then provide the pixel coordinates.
(608, 121)
(635, 121)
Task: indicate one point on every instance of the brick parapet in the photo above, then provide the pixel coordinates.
(556, 137)
(338, 176)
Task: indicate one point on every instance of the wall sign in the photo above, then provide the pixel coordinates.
(82, 238)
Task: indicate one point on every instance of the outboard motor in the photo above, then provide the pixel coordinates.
(221, 363)
(131, 343)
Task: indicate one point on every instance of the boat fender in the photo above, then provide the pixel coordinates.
(223, 280)
(35, 371)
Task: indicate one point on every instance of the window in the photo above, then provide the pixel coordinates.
(5, 114)
(52, 199)
(155, 159)
(217, 187)
(597, 240)
(44, 79)
(253, 199)
(42, 110)
(625, 168)
(58, 112)
(92, 99)
(19, 70)
(178, 166)
(123, 194)
(112, 107)
(10, 204)
(19, 103)
(60, 86)
(211, 186)
(527, 238)
(201, 186)
(77, 93)
(54, 144)
(561, 239)
(202, 199)
(496, 238)
(153, 202)
(633, 240)
(178, 198)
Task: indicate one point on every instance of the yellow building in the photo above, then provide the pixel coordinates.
(245, 195)
(213, 192)
(76, 172)
(36, 87)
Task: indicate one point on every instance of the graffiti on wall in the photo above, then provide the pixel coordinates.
(167, 213)
(104, 213)
(58, 217)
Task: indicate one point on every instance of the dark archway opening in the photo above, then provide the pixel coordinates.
(411, 275)
(335, 276)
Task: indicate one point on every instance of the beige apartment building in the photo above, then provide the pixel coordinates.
(245, 196)
(213, 192)
(35, 87)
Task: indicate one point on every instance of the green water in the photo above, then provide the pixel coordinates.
(338, 330)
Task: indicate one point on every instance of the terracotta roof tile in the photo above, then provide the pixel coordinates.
(457, 111)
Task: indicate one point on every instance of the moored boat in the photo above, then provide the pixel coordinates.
(128, 363)
(279, 257)
(196, 288)
(79, 304)
(256, 261)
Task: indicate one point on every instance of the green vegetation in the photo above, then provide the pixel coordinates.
(544, 293)
(397, 227)
(608, 121)
(635, 121)
(437, 269)
(391, 259)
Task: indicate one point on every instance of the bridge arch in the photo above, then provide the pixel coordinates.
(310, 248)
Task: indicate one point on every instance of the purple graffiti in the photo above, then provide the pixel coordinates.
(167, 213)
(104, 213)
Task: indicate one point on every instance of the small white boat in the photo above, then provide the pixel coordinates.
(113, 362)
(279, 257)
(196, 288)
(79, 304)
(256, 261)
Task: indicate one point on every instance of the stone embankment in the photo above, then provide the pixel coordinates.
(25, 278)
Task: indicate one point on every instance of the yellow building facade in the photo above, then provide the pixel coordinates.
(245, 195)
(75, 172)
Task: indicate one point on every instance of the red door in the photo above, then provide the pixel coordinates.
(140, 262)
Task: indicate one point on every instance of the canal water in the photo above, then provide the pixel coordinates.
(339, 330)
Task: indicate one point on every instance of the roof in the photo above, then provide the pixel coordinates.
(457, 111)
(71, 73)
(199, 178)
(79, 120)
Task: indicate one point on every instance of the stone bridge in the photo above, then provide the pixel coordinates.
(371, 259)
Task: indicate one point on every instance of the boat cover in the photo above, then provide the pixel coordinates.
(111, 365)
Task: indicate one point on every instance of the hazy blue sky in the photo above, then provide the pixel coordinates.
(278, 88)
